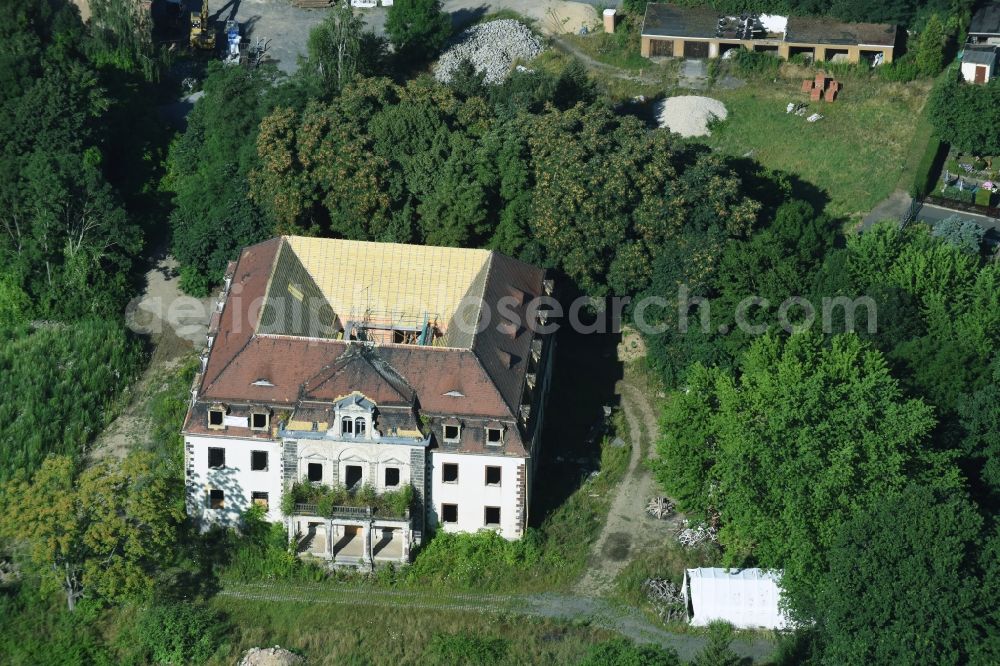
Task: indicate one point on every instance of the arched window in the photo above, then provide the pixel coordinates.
(360, 427)
(346, 426)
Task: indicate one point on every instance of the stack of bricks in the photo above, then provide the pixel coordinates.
(821, 88)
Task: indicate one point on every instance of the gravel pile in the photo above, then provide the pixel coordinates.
(275, 656)
(492, 47)
(689, 115)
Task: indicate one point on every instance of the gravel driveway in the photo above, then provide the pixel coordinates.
(288, 27)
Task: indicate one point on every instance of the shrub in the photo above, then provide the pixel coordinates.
(620, 652)
(963, 234)
(984, 197)
(480, 561)
(754, 63)
(903, 70)
(929, 167)
(177, 633)
(33, 631)
(955, 194)
(463, 648)
(393, 502)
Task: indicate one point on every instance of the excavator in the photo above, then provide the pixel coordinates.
(202, 31)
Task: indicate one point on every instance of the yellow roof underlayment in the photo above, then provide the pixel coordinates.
(390, 280)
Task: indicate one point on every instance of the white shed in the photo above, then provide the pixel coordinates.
(979, 64)
(745, 598)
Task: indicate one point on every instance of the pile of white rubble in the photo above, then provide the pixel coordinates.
(492, 47)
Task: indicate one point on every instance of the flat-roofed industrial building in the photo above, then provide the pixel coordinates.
(702, 32)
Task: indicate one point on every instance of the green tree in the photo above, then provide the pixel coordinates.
(979, 416)
(417, 28)
(808, 433)
(930, 47)
(717, 652)
(688, 448)
(76, 371)
(100, 534)
(335, 49)
(208, 170)
(963, 114)
(903, 586)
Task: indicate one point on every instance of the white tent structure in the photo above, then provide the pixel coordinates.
(745, 598)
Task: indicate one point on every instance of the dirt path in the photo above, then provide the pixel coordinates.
(628, 528)
(175, 325)
(566, 607)
(610, 70)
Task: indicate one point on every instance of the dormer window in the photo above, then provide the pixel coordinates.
(494, 436)
(260, 420)
(354, 415)
(452, 433)
(217, 417)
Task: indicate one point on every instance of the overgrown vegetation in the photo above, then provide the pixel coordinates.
(832, 456)
(862, 419)
(60, 385)
(391, 503)
(962, 114)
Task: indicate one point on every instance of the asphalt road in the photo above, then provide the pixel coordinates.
(930, 213)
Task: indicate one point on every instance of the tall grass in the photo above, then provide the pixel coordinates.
(358, 634)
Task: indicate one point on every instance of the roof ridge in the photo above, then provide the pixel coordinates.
(482, 296)
(267, 285)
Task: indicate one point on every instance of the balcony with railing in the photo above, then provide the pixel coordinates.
(361, 513)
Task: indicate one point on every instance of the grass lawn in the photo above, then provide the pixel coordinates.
(347, 635)
(856, 155)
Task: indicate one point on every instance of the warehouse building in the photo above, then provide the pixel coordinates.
(702, 32)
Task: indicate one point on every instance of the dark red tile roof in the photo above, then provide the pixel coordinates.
(484, 381)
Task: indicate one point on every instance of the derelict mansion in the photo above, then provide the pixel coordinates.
(398, 389)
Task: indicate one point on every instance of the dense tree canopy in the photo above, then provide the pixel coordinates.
(66, 240)
(99, 534)
(905, 587)
(209, 167)
(444, 170)
(964, 115)
(807, 433)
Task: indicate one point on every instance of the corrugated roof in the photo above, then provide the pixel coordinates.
(986, 21)
(667, 20)
(980, 56)
(815, 30)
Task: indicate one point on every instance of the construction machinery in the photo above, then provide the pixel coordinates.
(202, 31)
